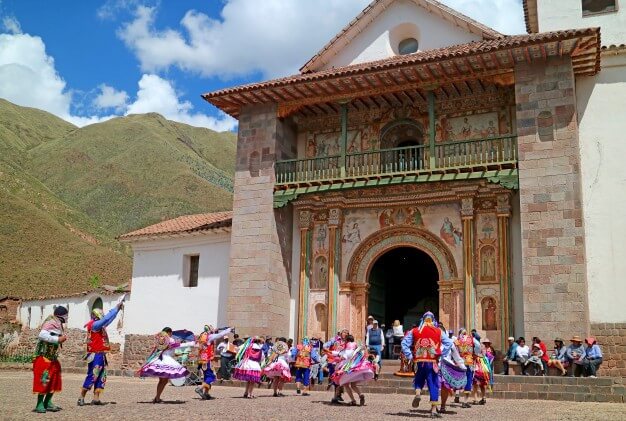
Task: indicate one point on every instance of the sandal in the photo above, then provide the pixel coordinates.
(416, 401)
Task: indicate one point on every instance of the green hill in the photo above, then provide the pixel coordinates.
(67, 192)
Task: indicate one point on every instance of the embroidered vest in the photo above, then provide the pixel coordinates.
(303, 357)
(426, 344)
(255, 354)
(47, 350)
(207, 351)
(465, 345)
(98, 341)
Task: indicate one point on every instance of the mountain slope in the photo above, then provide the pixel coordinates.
(133, 171)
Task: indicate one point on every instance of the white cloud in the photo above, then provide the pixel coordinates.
(28, 77)
(158, 95)
(111, 8)
(110, 97)
(274, 37)
(11, 25)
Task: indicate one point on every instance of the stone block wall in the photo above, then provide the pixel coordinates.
(136, 349)
(258, 302)
(611, 338)
(553, 255)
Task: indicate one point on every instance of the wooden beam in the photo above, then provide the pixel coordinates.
(496, 60)
(527, 55)
(482, 61)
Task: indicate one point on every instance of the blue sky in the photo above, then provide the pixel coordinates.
(90, 60)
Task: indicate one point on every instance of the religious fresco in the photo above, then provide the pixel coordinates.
(487, 312)
(328, 144)
(473, 126)
(486, 248)
(443, 220)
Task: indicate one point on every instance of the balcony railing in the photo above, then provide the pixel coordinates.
(457, 156)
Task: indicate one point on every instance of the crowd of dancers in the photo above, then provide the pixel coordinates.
(446, 364)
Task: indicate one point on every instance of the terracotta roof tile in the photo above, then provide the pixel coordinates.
(460, 50)
(182, 224)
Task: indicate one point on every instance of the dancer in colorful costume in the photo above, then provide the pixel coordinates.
(97, 348)
(423, 345)
(469, 348)
(248, 368)
(206, 342)
(483, 369)
(332, 348)
(353, 369)
(303, 355)
(452, 370)
(46, 366)
(161, 362)
(277, 368)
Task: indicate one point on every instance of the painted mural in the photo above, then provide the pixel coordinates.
(473, 126)
(442, 220)
(487, 256)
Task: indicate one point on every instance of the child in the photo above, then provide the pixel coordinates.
(483, 376)
(161, 362)
(374, 359)
(304, 355)
(535, 358)
(248, 368)
(278, 368)
(206, 341)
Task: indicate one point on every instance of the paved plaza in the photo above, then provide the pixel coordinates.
(129, 398)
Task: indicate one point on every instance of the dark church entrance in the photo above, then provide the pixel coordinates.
(402, 286)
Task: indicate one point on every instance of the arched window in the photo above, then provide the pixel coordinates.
(408, 46)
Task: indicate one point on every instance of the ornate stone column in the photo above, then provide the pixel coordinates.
(304, 225)
(467, 216)
(503, 212)
(359, 298)
(334, 248)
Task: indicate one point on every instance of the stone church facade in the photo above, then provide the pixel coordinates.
(417, 130)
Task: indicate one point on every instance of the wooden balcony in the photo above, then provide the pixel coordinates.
(465, 159)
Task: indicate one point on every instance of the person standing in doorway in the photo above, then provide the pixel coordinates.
(375, 339)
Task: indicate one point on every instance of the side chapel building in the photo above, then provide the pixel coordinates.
(424, 161)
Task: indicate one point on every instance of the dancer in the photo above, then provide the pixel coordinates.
(423, 345)
(97, 348)
(206, 342)
(303, 355)
(161, 362)
(468, 347)
(46, 366)
(483, 372)
(451, 370)
(278, 367)
(332, 348)
(353, 369)
(248, 368)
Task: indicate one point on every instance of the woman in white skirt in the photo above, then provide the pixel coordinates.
(277, 368)
(161, 362)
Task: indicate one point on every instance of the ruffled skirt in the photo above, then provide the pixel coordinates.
(278, 368)
(452, 377)
(165, 367)
(248, 371)
(361, 373)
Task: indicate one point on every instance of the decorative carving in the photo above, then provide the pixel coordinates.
(467, 207)
(510, 181)
(503, 206)
(380, 242)
(334, 217)
(305, 219)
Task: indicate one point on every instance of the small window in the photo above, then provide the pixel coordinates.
(593, 7)
(190, 268)
(408, 46)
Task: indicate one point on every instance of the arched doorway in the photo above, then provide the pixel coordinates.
(403, 284)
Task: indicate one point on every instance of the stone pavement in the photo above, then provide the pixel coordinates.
(129, 398)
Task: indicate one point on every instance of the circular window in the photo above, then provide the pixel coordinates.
(408, 46)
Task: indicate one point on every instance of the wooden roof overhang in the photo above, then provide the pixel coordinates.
(404, 79)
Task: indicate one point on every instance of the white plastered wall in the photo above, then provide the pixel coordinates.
(159, 298)
(380, 38)
(32, 313)
(601, 102)
(554, 15)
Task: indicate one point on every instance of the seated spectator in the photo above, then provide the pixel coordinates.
(544, 357)
(535, 358)
(593, 357)
(558, 358)
(575, 355)
(374, 358)
(510, 355)
(522, 353)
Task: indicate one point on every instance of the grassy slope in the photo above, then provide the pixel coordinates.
(133, 171)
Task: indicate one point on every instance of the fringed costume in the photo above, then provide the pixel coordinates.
(469, 348)
(206, 342)
(354, 366)
(249, 357)
(161, 362)
(304, 354)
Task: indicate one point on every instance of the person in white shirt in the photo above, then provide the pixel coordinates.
(522, 353)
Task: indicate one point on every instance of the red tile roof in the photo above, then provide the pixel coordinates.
(182, 225)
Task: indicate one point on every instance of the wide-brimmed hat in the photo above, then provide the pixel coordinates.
(486, 341)
(370, 317)
(559, 340)
(576, 338)
(590, 340)
(511, 338)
